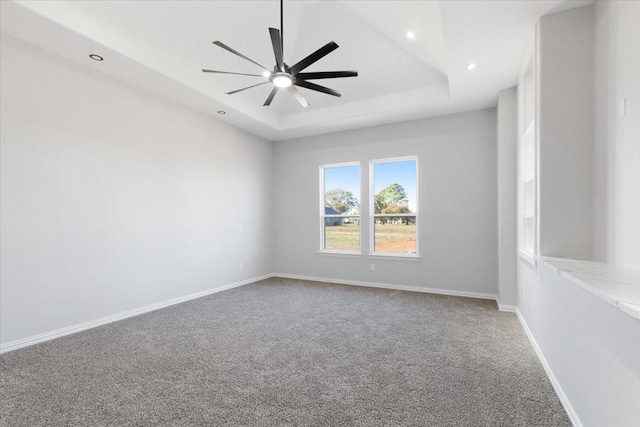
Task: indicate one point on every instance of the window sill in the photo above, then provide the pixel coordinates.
(340, 254)
(395, 257)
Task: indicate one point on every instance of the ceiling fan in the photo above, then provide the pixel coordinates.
(283, 76)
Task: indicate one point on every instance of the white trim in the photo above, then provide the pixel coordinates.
(573, 416)
(341, 165)
(477, 295)
(344, 254)
(395, 215)
(68, 330)
(395, 159)
(395, 256)
(47, 336)
(506, 308)
(528, 257)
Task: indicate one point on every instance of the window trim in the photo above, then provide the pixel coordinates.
(321, 222)
(373, 215)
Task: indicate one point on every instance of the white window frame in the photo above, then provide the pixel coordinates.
(323, 216)
(373, 215)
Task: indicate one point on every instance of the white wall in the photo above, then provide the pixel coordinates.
(457, 202)
(616, 204)
(592, 347)
(565, 133)
(112, 199)
(507, 121)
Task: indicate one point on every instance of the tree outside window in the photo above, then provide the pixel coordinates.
(340, 208)
(394, 204)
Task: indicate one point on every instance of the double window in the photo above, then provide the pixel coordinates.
(392, 223)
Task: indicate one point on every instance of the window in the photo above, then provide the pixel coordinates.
(394, 206)
(340, 207)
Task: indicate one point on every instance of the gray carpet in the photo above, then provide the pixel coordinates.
(288, 353)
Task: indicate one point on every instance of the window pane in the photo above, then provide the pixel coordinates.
(341, 216)
(394, 192)
(342, 190)
(342, 234)
(395, 234)
(395, 187)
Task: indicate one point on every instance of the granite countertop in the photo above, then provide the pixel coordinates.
(616, 285)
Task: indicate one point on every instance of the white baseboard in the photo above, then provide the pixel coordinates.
(573, 416)
(47, 336)
(388, 286)
(506, 308)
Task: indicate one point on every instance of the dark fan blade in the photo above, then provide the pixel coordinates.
(245, 88)
(315, 56)
(229, 72)
(326, 75)
(270, 98)
(298, 96)
(276, 41)
(224, 46)
(316, 87)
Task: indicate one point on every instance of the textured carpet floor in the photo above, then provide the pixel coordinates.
(288, 353)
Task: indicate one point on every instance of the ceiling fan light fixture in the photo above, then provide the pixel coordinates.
(282, 80)
(285, 77)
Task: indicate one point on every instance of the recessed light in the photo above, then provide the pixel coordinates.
(266, 74)
(96, 57)
(222, 112)
(471, 66)
(411, 35)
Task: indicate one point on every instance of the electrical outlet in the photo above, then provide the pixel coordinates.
(373, 267)
(240, 229)
(241, 266)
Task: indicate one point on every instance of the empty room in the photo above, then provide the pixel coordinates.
(320, 213)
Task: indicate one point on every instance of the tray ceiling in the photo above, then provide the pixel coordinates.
(161, 47)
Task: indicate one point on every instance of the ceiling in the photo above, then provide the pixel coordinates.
(161, 47)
